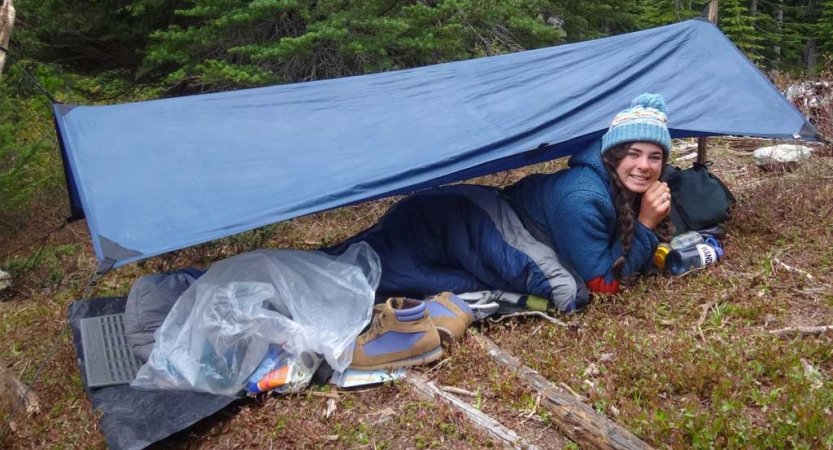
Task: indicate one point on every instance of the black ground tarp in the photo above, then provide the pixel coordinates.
(132, 419)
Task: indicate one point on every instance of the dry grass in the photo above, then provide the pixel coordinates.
(684, 362)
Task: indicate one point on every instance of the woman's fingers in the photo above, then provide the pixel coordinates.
(657, 190)
(656, 204)
(661, 198)
(665, 204)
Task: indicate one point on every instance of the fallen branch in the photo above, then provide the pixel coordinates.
(570, 390)
(708, 307)
(705, 312)
(686, 157)
(458, 391)
(738, 153)
(793, 269)
(331, 408)
(769, 141)
(685, 148)
(546, 317)
(428, 390)
(801, 331)
(528, 414)
(581, 423)
(330, 395)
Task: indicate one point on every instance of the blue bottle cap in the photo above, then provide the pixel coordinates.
(717, 248)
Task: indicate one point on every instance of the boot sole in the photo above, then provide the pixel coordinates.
(424, 358)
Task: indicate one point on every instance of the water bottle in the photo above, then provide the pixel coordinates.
(682, 260)
(685, 240)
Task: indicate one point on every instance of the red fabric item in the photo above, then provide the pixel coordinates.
(598, 285)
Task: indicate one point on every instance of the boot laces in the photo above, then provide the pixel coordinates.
(376, 320)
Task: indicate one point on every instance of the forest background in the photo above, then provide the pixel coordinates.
(111, 51)
(674, 362)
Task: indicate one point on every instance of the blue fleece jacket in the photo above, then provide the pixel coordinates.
(574, 209)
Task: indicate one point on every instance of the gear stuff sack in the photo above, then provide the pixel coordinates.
(224, 325)
(699, 200)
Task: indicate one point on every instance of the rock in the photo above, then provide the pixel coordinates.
(5, 280)
(812, 374)
(591, 371)
(781, 155)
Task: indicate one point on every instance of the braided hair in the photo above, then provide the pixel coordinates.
(627, 207)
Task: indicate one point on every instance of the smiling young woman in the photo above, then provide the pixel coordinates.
(554, 236)
(605, 215)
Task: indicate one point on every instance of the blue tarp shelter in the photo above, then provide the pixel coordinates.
(156, 176)
(161, 175)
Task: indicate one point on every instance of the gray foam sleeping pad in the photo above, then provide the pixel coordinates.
(148, 304)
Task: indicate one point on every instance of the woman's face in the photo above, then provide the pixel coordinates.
(640, 167)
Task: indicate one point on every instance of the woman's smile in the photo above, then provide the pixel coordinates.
(640, 167)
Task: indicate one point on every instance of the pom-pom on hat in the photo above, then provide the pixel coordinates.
(644, 121)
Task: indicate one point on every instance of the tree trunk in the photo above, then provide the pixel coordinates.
(811, 54)
(702, 144)
(6, 25)
(811, 47)
(779, 22)
(753, 7)
(713, 4)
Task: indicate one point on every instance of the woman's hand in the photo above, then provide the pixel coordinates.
(656, 204)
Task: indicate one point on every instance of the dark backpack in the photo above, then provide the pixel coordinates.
(699, 200)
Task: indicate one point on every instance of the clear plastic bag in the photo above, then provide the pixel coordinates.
(220, 329)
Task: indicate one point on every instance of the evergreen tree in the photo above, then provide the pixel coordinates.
(89, 36)
(249, 43)
(663, 12)
(594, 19)
(825, 29)
(740, 28)
(30, 165)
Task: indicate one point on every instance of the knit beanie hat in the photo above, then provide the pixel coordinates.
(644, 121)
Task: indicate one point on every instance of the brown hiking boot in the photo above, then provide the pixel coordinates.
(451, 315)
(401, 334)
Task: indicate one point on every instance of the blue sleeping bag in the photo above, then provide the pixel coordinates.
(465, 238)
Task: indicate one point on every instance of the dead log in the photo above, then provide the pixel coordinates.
(429, 391)
(581, 423)
(801, 331)
(6, 25)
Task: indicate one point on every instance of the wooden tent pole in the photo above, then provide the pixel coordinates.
(6, 25)
(701, 141)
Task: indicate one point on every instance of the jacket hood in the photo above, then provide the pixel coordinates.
(591, 157)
